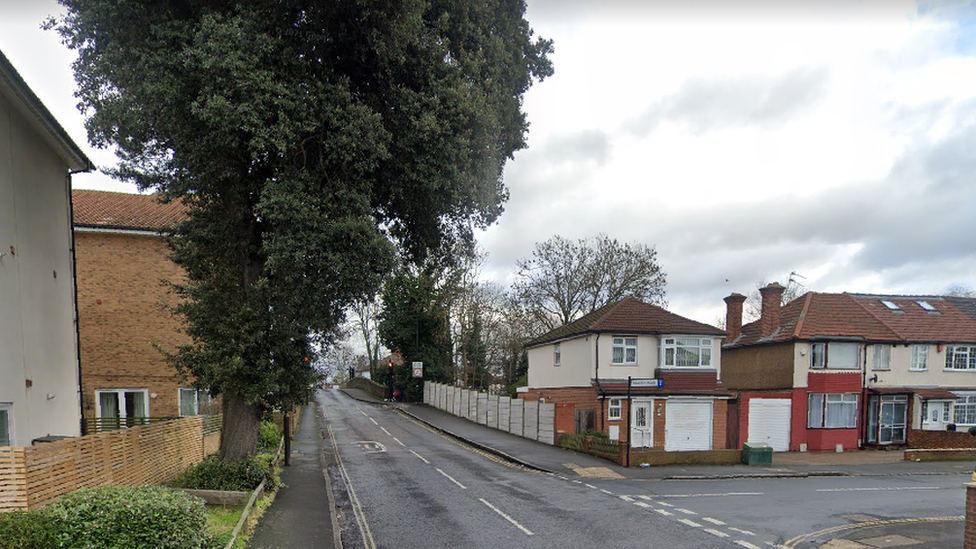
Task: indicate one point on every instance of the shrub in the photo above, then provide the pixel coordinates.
(134, 517)
(269, 436)
(216, 474)
(20, 530)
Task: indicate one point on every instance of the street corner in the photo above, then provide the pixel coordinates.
(867, 532)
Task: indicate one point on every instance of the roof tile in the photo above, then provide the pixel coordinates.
(109, 210)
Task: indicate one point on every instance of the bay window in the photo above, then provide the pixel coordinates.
(965, 410)
(832, 411)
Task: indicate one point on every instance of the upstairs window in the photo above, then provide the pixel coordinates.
(687, 352)
(625, 350)
(834, 355)
(920, 358)
(882, 357)
(556, 355)
(960, 357)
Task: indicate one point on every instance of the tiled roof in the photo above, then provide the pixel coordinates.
(631, 316)
(814, 315)
(108, 210)
(914, 323)
(965, 304)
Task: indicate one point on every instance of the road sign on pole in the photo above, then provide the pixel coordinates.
(418, 369)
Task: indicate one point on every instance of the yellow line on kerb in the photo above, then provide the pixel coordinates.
(790, 544)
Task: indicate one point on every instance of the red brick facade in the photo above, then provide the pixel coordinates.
(124, 323)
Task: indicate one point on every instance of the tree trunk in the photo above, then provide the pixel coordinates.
(239, 437)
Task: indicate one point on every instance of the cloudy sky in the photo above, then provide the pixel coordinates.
(745, 140)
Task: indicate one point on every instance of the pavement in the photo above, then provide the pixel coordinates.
(300, 517)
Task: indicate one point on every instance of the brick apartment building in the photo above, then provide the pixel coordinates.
(123, 300)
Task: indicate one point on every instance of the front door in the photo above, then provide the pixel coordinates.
(935, 415)
(641, 425)
(892, 419)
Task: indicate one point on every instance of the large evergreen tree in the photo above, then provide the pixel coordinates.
(307, 138)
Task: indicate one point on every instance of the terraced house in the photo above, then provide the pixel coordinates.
(837, 372)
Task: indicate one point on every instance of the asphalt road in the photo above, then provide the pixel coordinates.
(399, 484)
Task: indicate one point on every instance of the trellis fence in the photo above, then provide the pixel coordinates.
(526, 418)
(33, 476)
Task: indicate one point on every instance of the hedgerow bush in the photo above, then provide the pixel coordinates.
(133, 517)
(269, 436)
(20, 530)
(216, 474)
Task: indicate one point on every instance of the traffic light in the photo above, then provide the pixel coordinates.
(390, 364)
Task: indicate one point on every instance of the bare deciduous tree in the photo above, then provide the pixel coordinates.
(564, 280)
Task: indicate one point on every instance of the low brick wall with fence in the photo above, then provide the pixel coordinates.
(33, 476)
(525, 418)
(379, 391)
(705, 457)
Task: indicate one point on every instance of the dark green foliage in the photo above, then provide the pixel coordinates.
(269, 436)
(415, 322)
(134, 517)
(216, 474)
(308, 140)
(20, 530)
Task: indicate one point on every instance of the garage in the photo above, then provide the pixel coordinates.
(688, 425)
(769, 422)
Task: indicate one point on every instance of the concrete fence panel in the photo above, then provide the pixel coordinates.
(547, 423)
(515, 419)
(530, 420)
(493, 411)
(456, 408)
(482, 408)
(504, 413)
(427, 385)
(449, 402)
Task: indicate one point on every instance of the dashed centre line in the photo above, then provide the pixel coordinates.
(452, 479)
(422, 458)
(714, 521)
(717, 533)
(690, 522)
(506, 517)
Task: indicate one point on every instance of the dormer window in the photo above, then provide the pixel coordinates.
(891, 305)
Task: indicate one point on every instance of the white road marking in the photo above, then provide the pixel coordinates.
(648, 498)
(741, 531)
(373, 420)
(642, 504)
(685, 511)
(715, 532)
(362, 412)
(357, 508)
(725, 494)
(665, 504)
(400, 442)
(663, 512)
(385, 431)
(452, 479)
(506, 517)
(888, 489)
(591, 486)
(420, 456)
(746, 544)
(606, 491)
(627, 498)
(578, 481)
(690, 522)
(713, 521)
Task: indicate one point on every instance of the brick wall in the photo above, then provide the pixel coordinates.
(970, 533)
(720, 431)
(683, 380)
(940, 439)
(122, 303)
(567, 401)
(759, 367)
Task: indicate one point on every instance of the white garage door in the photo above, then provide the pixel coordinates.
(688, 425)
(769, 422)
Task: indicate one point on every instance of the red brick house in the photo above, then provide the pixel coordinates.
(123, 301)
(589, 367)
(829, 372)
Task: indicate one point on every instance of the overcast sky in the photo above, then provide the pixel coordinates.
(745, 140)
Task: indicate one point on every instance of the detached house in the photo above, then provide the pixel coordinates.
(829, 372)
(125, 321)
(38, 335)
(668, 365)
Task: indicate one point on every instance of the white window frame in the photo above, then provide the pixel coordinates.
(699, 347)
(615, 409)
(556, 355)
(966, 404)
(920, 358)
(966, 354)
(882, 357)
(623, 343)
(8, 409)
(198, 396)
(820, 355)
(819, 403)
(121, 392)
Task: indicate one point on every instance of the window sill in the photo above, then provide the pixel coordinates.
(688, 368)
(624, 364)
(959, 371)
(917, 370)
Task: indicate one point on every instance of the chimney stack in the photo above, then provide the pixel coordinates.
(772, 297)
(733, 316)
